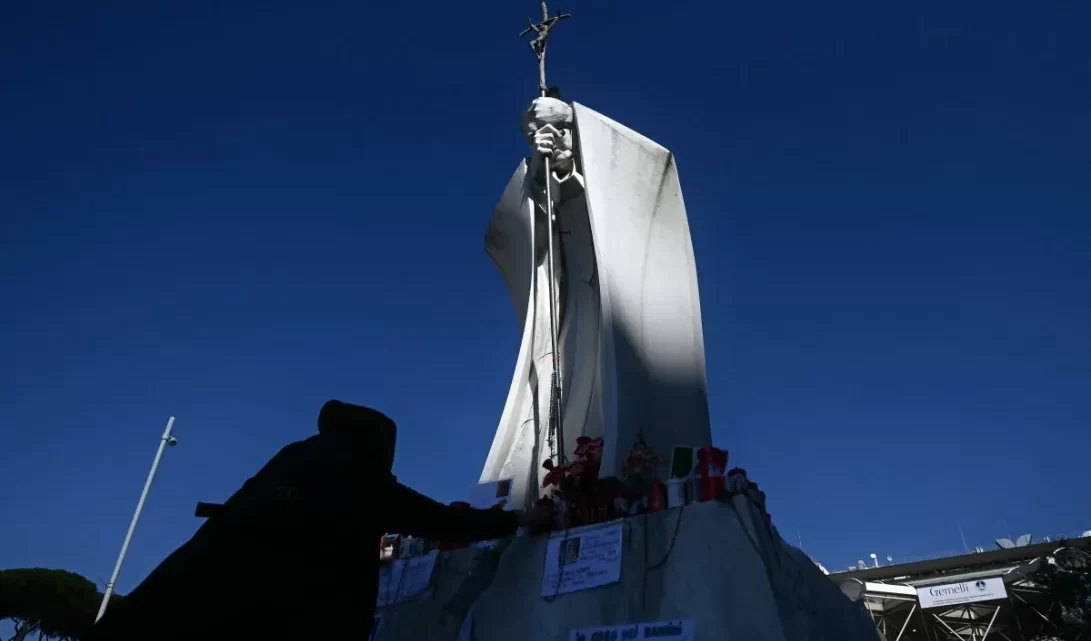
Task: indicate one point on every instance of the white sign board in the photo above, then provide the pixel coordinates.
(969, 591)
(582, 559)
(485, 496)
(405, 579)
(660, 631)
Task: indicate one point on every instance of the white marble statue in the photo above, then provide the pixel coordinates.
(630, 340)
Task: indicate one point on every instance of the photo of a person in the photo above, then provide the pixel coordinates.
(570, 552)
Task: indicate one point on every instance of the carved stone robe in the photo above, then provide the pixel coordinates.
(630, 337)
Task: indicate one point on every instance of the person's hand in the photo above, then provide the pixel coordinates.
(537, 519)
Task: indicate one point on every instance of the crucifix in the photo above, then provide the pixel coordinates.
(555, 426)
(538, 43)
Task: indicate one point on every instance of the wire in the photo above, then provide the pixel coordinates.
(554, 415)
(670, 548)
(666, 556)
(560, 557)
(757, 548)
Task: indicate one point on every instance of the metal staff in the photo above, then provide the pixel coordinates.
(538, 45)
(166, 440)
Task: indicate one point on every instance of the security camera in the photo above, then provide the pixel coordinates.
(172, 441)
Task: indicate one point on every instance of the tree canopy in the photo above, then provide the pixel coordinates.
(54, 603)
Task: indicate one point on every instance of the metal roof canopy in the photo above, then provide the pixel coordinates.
(973, 560)
(896, 611)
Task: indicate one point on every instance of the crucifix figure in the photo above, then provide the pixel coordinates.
(538, 43)
(592, 241)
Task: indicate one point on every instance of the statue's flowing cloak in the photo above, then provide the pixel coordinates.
(631, 342)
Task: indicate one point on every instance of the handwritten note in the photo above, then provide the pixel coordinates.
(582, 560)
(681, 630)
(405, 579)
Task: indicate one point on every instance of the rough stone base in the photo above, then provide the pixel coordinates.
(728, 570)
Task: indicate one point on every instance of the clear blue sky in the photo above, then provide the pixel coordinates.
(231, 212)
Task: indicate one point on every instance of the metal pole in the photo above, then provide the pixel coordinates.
(538, 45)
(166, 440)
(944, 624)
(902, 631)
(991, 621)
(553, 320)
(1015, 613)
(929, 632)
(541, 57)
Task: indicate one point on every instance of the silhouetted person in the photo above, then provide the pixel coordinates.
(294, 553)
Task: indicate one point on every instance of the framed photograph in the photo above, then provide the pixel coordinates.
(570, 552)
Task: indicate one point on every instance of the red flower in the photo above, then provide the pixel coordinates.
(588, 448)
(556, 473)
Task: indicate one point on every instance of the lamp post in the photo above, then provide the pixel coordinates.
(166, 440)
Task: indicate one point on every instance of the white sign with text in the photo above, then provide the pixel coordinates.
(582, 559)
(969, 591)
(681, 630)
(485, 496)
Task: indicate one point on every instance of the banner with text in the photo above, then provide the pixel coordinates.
(970, 591)
(681, 630)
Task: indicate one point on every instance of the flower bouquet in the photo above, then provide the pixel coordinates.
(576, 495)
(641, 475)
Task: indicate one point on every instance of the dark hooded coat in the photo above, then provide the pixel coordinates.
(293, 554)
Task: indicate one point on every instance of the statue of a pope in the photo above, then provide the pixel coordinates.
(629, 316)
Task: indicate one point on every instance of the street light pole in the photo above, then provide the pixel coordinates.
(166, 440)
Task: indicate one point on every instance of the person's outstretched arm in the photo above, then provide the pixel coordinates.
(414, 514)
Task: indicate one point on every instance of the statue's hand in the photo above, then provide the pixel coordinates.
(548, 141)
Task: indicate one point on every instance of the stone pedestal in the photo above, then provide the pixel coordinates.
(729, 571)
